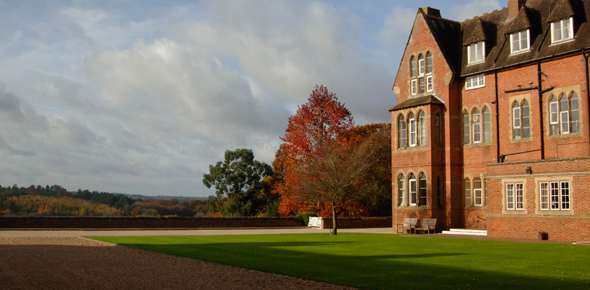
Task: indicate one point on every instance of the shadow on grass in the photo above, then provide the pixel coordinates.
(442, 270)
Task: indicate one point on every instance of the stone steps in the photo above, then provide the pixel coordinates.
(466, 232)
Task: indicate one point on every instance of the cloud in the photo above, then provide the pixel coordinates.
(473, 8)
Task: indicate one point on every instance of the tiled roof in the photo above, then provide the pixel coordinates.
(494, 28)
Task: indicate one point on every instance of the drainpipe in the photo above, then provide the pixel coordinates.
(539, 73)
(499, 157)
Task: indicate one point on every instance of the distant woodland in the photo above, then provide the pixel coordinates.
(57, 201)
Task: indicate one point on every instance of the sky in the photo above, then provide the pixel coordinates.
(140, 97)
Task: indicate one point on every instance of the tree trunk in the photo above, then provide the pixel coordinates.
(334, 230)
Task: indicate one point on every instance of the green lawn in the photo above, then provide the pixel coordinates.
(378, 261)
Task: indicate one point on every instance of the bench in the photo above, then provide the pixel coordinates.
(409, 224)
(427, 226)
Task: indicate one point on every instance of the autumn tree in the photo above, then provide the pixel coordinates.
(337, 174)
(321, 119)
(238, 181)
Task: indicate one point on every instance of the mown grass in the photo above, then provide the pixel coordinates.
(377, 261)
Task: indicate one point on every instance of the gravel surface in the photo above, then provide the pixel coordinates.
(79, 263)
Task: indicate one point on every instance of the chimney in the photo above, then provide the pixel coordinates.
(432, 12)
(514, 6)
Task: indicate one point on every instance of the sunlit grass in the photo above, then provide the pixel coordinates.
(377, 261)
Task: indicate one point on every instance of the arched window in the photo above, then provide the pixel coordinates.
(554, 115)
(516, 121)
(412, 188)
(423, 190)
(476, 123)
(421, 72)
(564, 115)
(526, 120)
(429, 80)
(477, 193)
(422, 121)
(401, 185)
(465, 127)
(413, 67)
(402, 132)
(487, 125)
(574, 113)
(413, 135)
(467, 192)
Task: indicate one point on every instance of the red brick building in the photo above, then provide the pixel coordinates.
(491, 127)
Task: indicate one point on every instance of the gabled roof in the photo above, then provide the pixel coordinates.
(414, 102)
(447, 34)
(535, 15)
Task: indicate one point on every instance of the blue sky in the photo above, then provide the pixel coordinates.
(140, 97)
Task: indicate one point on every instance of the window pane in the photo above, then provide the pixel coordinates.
(510, 196)
(575, 114)
(554, 195)
(477, 198)
(480, 51)
(515, 42)
(413, 67)
(467, 193)
(466, 128)
(420, 65)
(471, 50)
(412, 190)
(544, 196)
(524, 41)
(421, 85)
(516, 121)
(422, 129)
(423, 191)
(401, 190)
(526, 126)
(402, 132)
(428, 62)
(487, 126)
(565, 195)
(519, 196)
(476, 127)
(553, 115)
(565, 124)
(556, 31)
(566, 29)
(412, 130)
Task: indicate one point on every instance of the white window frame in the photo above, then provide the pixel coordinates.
(412, 129)
(519, 196)
(403, 132)
(510, 202)
(518, 38)
(421, 67)
(466, 128)
(479, 53)
(559, 31)
(516, 121)
(429, 84)
(422, 121)
(413, 190)
(474, 82)
(477, 193)
(402, 190)
(557, 195)
(414, 86)
(544, 196)
(487, 124)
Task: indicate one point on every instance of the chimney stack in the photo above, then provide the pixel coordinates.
(514, 6)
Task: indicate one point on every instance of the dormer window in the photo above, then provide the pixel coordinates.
(562, 30)
(476, 52)
(519, 41)
(421, 74)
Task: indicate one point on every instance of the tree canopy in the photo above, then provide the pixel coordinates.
(239, 182)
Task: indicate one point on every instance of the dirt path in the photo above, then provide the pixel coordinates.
(79, 263)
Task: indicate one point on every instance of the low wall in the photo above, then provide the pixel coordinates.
(361, 222)
(144, 222)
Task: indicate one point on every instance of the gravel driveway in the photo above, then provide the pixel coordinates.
(42, 262)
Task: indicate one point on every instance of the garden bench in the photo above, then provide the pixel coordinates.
(409, 224)
(427, 225)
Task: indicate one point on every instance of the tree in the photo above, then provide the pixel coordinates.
(315, 123)
(237, 181)
(337, 175)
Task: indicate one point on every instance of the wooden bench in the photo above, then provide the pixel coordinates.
(409, 224)
(427, 226)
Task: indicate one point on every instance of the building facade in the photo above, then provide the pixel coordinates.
(491, 128)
